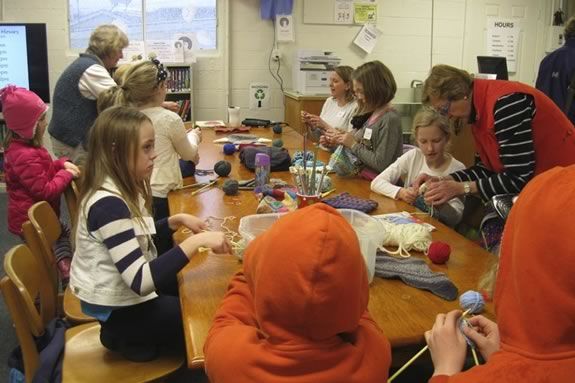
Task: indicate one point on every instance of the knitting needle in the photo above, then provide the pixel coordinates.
(475, 356)
(312, 182)
(323, 195)
(204, 188)
(415, 357)
(323, 173)
(193, 185)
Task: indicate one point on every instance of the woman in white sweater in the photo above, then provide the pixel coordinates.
(337, 110)
(432, 134)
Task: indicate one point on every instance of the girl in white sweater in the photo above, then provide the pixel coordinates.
(432, 134)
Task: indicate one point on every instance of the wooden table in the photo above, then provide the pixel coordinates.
(403, 312)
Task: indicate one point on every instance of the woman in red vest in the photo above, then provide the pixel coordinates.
(518, 131)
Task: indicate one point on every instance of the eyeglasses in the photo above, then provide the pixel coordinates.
(444, 109)
(162, 73)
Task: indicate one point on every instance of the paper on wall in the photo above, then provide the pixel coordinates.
(343, 12)
(164, 50)
(136, 50)
(367, 37)
(188, 44)
(503, 40)
(365, 13)
(284, 28)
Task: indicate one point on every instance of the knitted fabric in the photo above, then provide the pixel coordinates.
(297, 159)
(415, 273)
(347, 201)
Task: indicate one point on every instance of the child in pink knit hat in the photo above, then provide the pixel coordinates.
(31, 174)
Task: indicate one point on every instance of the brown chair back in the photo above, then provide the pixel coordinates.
(71, 195)
(48, 229)
(33, 241)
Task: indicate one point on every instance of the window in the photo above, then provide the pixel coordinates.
(154, 19)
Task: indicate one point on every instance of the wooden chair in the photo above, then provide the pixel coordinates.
(47, 230)
(85, 359)
(71, 195)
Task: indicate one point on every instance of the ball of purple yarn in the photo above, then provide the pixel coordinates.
(229, 149)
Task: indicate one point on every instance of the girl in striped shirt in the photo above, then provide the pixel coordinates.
(117, 274)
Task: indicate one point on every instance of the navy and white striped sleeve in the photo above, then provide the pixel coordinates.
(513, 115)
(109, 220)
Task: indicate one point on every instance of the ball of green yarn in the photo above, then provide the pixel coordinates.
(222, 168)
(278, 143)
(231, 187)
(277, 129)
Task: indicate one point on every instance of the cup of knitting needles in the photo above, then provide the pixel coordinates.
(309, 182)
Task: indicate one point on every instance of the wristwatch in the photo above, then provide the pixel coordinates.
(467, 188)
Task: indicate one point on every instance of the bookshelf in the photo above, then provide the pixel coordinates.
(180, 88)
(3, 130)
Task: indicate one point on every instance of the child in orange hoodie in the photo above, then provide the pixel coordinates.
(534, 339)
(298, 311)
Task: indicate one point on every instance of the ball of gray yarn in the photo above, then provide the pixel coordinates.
(231, 187)
(278, 143)
(222, 168)
(326, 185)
(277, 129)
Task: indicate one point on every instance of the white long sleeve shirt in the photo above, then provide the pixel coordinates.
(172, 143)
(336, 116)
(409, 166)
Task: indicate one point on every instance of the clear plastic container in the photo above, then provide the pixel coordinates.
(369, 231)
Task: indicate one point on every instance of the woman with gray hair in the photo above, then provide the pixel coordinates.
(75, 94)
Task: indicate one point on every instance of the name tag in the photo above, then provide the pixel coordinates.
(149, 226)
(367, 134)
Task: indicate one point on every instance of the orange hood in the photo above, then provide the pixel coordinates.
(535, 288)
(312, 289)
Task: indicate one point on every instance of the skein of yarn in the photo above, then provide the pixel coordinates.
(222, 168)
(277, 129)
(438, 252)
(229, 148)
(473, 301)
(278, 143)
(409, 236)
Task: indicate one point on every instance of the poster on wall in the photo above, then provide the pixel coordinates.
(364, 13)
(503, 40)
(284, 28)
(136, 50)
(343, 12)
(367, 37)
(259, 96)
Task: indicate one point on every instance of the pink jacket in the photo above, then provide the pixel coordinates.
(32, 176)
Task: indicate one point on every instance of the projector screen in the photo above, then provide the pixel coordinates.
(24, 57)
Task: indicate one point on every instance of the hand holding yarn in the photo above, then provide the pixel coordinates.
(484, 333)
(447, 344)
(407, 195)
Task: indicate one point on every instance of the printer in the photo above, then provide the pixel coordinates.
(311, 71)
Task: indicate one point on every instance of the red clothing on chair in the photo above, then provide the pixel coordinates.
(298, 311)
(32, 176)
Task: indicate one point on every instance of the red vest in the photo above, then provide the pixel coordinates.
(553, 133)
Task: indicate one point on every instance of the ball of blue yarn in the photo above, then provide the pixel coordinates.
(278, 143)
(222, 168)
(277, 129)
(229, 149)
(473, 301)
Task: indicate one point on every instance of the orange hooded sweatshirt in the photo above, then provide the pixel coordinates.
(535, 288)
(298, 311)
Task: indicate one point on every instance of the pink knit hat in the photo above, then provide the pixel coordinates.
(22, 109)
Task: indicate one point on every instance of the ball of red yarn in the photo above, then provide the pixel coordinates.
(439, 252)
